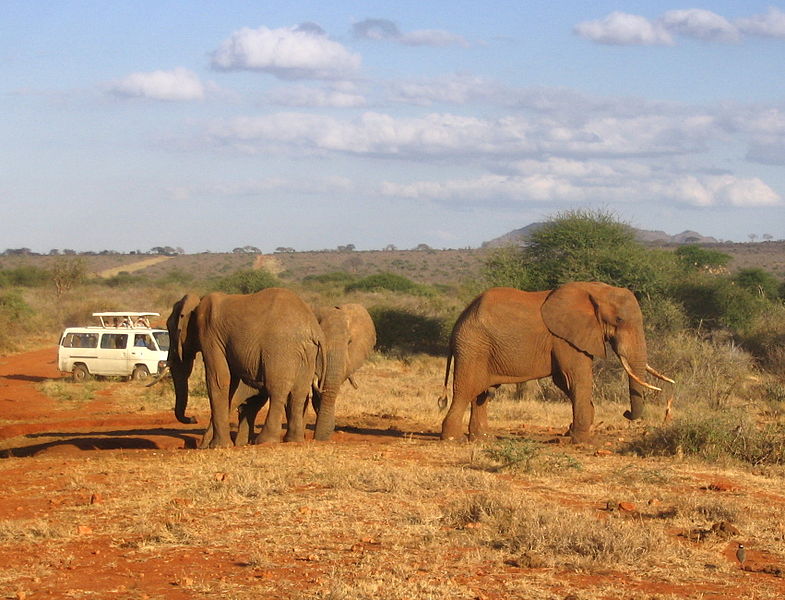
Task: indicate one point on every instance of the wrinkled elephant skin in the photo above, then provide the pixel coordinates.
(269, 341)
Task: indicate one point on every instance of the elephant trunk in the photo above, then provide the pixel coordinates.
(333, 378)
(180, 374)
(636, 371)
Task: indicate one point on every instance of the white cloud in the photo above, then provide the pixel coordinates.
(177, 84)
(432, 37)
(770, 24)
(547, 187)
(384, 29)
(439, 136)
(288, 53)
(453, 89)
(624, 29)
(302, 96)
(701, 24)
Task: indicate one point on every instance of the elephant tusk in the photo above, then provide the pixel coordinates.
(635, 378)
(658, 375)
(163, 374)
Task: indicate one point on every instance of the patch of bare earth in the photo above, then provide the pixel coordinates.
(103, 496)
(134, 266)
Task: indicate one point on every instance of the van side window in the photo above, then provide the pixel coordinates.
(80, 340)
(114, 341)
(142, 340)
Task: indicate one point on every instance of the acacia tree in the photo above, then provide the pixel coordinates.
(68, 272)
(582, 245)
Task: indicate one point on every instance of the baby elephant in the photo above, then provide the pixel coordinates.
(349, 339)
(349, 336)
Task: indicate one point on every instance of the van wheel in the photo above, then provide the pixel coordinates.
(80, 373)
(140, 373)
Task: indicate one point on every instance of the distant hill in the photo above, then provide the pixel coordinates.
(523, 235)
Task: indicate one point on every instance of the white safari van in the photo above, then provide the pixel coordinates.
(122, 345)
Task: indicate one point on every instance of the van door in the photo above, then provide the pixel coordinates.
(113, 357)
(144, 352)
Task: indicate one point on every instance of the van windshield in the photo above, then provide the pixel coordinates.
(162, 337)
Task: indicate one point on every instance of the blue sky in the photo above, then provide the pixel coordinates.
(208, 125)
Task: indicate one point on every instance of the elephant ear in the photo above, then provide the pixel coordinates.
(187, 306)
(570, 313)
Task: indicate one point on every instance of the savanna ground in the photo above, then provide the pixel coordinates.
(104, 496)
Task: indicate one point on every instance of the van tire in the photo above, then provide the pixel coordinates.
(140, 373)
(80, 374)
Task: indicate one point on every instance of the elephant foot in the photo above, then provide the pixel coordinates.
(480, 437)
(266, 439)
(216, 443)
(633, 417)
(582, 437)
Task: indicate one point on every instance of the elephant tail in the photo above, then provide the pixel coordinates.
(443, 398)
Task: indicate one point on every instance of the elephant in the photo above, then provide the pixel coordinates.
(508, 336)
(350, 337)
(269, 340)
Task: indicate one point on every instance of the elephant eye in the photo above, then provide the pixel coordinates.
(619, 320)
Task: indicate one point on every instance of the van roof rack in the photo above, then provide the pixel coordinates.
(125, 318)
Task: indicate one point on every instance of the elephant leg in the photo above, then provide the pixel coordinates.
(295, 408)
(271, 431)
(478, 420)
(452, 425)
(220, 388)
(207, 436)
(580, 393)
(247, 418)
(467, 386)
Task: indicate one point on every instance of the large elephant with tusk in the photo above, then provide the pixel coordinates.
(509, 336)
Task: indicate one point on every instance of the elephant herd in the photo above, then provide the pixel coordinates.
(271, 347)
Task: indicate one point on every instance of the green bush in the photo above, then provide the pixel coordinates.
(695, 258)
(506, 267)
(404, 331)
(717, 302)
(758, 281)
(583, 246)
(175, 277)
(341, 277)
(122, 279)
(25, 276)
(247, 281)
(391, 282)
(13, 306)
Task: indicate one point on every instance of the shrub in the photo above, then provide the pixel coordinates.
(391, 282)
(583, 246)
(715, 436)
(68, 272)
(175, 277)
(122, 279)
(13, 306)
(247, 281)
(404, 331)
(341, 277)
(25, 276)
(718, 303)
(758, 281)
(506, 267)
(695, 258)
